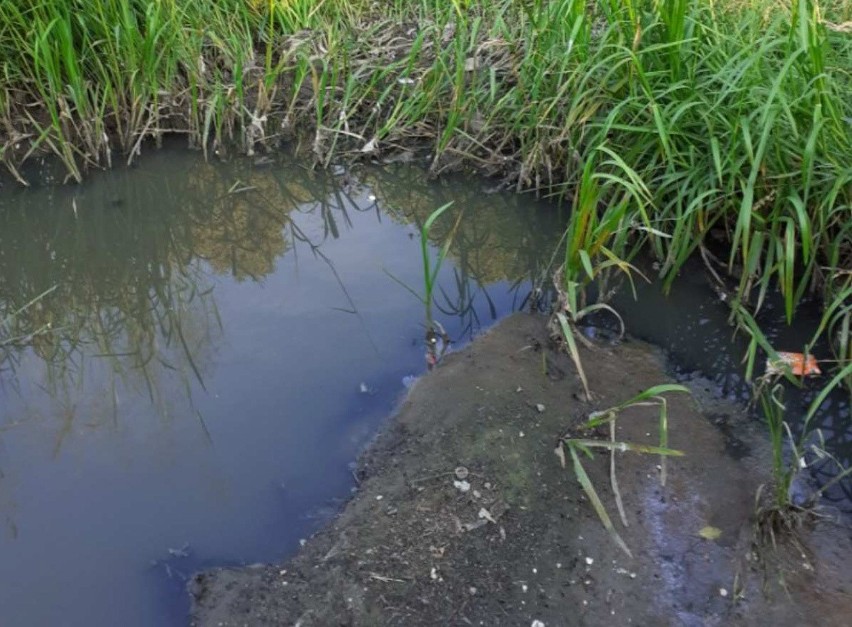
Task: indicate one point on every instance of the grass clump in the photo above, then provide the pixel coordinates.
(580, 440)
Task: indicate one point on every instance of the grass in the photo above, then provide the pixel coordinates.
(434, 329)
(681, 127)
(579, 441)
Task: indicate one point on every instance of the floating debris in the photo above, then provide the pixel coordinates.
(181, 552)
(798, 364)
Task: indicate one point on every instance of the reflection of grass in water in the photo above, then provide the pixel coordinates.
(502, 237)
(11, 331)
(130, 267)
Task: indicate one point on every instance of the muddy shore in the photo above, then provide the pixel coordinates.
(522, 543)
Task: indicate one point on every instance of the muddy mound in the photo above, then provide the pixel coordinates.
(464, 515)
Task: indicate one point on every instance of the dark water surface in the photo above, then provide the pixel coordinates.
(223, 340)
(216, 344)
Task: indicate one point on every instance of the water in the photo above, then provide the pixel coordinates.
(223, 339)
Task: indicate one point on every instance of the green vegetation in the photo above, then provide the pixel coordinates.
(718, 128)
(578, 441)
(434, 330)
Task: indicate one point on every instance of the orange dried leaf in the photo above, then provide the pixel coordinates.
(798, 364)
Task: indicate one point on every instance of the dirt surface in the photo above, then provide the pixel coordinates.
(523, 544)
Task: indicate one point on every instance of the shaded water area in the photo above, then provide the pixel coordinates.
(223, 340)
(216, 342)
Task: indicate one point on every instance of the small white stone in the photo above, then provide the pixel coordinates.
(303, 542)
(540, 408)
(537, 623)
(524, 587)
(520, 434)
(379, 497)
(590, 560)
(723, 592)
(462, 486)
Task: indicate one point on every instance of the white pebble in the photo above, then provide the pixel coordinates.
(723, 592)
(590, 561)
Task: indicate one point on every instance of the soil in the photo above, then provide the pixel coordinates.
(523, 544)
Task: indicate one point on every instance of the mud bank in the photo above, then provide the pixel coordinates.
(523, 544)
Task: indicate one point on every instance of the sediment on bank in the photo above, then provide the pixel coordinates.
(464, 514)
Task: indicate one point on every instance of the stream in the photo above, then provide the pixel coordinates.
(199, 350)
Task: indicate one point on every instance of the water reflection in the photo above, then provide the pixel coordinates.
(213, 344)
(197, 337)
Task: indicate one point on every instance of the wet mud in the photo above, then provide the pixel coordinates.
(463, 514)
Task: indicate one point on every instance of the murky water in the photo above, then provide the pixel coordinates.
(212, 346)
(692, 325)
(222, 341)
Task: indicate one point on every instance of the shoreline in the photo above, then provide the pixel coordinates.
(412, 547)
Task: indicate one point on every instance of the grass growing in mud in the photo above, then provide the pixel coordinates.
(720, 129)
(578, 441)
